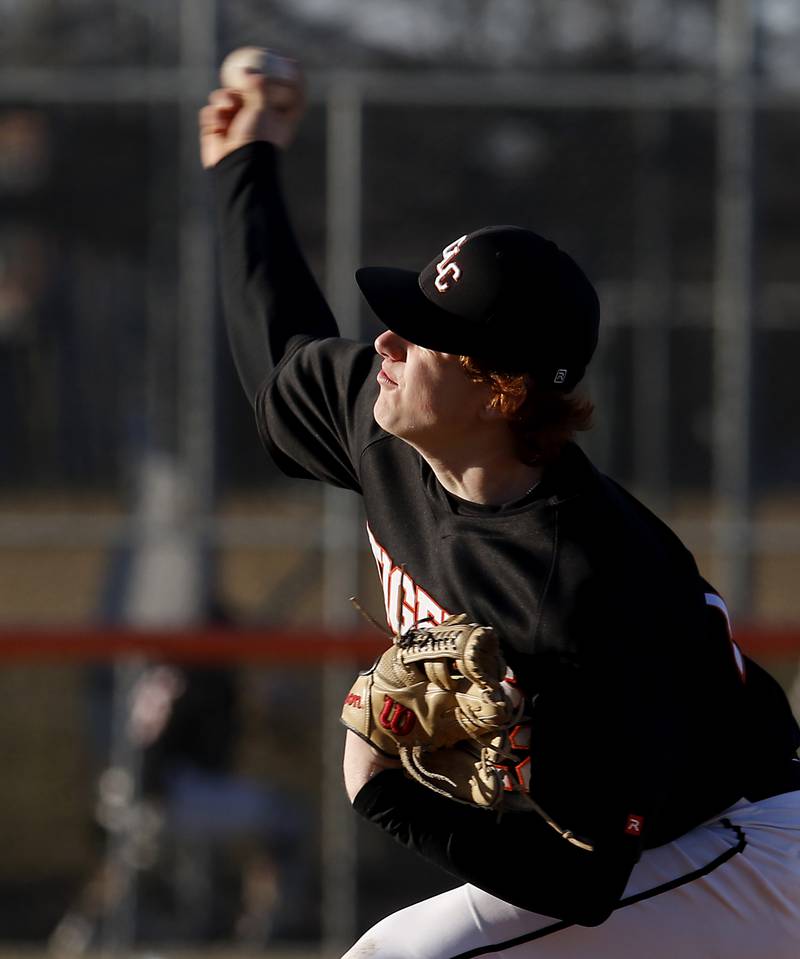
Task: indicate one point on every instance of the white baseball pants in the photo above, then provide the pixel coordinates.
(719, 892)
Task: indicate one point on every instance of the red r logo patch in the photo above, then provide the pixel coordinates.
(634, 825)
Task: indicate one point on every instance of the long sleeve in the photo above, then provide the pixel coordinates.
(270, 298)
(516, 857)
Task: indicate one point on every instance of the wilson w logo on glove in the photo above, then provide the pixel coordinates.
(433, 688)
(396, 718)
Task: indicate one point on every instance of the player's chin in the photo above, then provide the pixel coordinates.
(379, 412)
(385, 414)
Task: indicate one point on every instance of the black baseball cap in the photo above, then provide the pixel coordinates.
(503, 295)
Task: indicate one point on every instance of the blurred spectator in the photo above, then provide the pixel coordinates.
(211, 854)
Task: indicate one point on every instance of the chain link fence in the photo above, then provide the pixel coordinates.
(657, 141)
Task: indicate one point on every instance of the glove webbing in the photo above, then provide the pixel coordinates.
(444, 643)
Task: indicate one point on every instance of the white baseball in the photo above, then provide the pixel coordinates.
(247, 60)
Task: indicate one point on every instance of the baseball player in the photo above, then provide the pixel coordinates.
(660, 761)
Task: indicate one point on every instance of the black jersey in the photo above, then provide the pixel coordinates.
(646, 719)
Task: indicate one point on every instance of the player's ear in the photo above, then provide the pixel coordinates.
(495, 406)
(500, 405)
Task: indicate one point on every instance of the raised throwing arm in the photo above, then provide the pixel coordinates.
(270, 297)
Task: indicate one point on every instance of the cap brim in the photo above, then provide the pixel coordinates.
(396, 299)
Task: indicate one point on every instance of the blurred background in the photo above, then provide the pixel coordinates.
(173, 612)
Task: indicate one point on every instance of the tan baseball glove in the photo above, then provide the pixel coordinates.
(437, 699)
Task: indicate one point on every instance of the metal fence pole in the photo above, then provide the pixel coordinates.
(198, 51)
(651, 308)
(119, 796)
(341, 518)
(733, 304)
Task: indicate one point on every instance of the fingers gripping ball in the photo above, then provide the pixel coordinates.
(263, 100)
(435, 689)
(245, 61)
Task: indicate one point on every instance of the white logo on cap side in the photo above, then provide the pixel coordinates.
(447, 269)
(560, 376)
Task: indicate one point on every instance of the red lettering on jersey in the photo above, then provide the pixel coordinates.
(416, 605)
(520, 736)
(428, 610)
(384, 562)
(399, 719)
(405, 606)
(512, 690)
(634, 825)
(516, 776)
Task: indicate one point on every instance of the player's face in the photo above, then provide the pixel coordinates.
(425, 397)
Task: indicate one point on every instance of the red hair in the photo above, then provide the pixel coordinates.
(541, 421)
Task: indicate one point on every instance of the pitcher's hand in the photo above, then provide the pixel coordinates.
(261, 108)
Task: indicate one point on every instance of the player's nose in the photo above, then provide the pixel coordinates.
(390, 346)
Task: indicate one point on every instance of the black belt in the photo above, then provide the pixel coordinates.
(786, 781)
